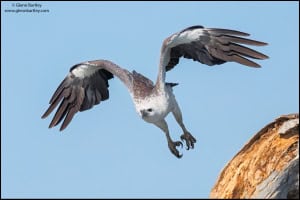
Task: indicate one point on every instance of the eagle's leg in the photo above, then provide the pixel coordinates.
(171, 144)
(187, 136)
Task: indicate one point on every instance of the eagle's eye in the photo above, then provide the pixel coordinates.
(149, 109)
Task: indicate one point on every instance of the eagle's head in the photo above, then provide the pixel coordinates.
(147, 114)
(154, 108)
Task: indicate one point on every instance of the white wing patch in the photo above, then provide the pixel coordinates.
(83, 70)
(185, 37)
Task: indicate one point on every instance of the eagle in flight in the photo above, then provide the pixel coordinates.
(87, 85)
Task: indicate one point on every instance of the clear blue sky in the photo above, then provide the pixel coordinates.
(109, 151)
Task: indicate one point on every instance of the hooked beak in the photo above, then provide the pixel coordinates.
(143, 113)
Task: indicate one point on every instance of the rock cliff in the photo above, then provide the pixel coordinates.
(267, 166)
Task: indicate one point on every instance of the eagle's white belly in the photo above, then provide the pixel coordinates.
(160, 104)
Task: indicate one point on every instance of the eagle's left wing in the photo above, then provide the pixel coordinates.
(210, 46)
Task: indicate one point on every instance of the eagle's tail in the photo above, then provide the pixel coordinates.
(172, 84)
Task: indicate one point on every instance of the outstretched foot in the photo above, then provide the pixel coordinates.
(172, 146)
(189, 140)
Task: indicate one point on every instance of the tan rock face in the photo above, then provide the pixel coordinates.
(254, 170)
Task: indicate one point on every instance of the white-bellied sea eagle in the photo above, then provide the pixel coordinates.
(87, 83)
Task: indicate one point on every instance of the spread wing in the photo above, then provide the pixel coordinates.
(210, 46)
(86, 85)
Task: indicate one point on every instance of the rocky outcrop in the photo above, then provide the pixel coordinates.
(267, 166)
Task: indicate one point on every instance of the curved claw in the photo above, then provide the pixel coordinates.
(189, 140)
(172, 147)
(178, 143)
(186, 142)
(179, 156)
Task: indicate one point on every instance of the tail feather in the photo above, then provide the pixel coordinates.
(172, 84)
